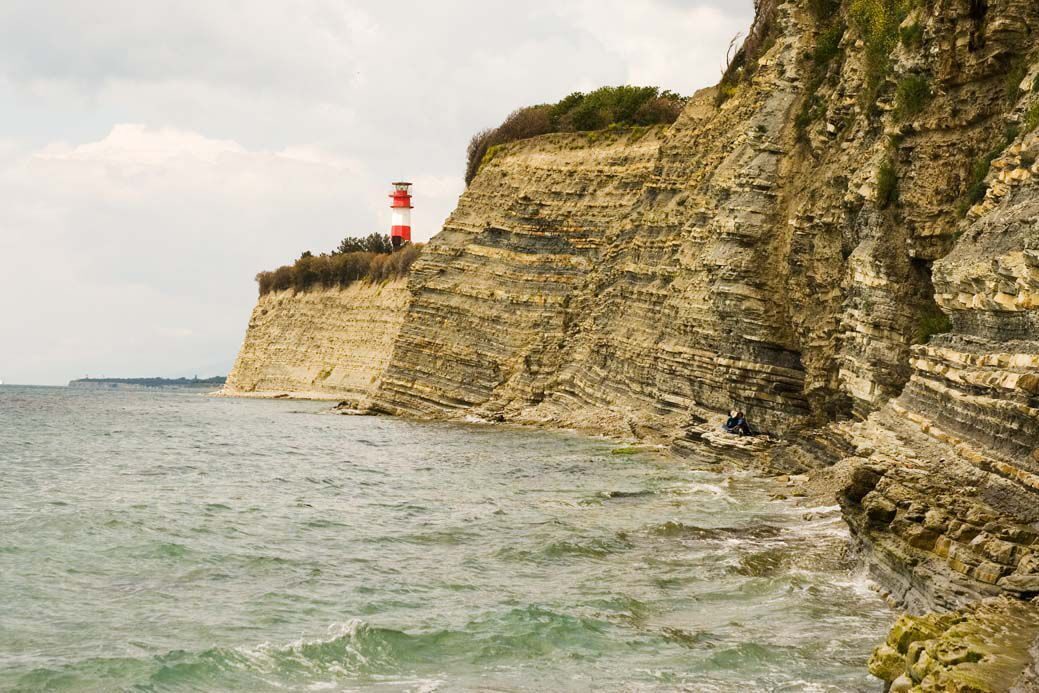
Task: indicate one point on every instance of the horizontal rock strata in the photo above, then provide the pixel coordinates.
(324, 343)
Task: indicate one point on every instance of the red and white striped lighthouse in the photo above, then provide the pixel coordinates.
(400, 233)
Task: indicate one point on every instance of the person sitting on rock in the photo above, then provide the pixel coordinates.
(737, 425)
(730, 425)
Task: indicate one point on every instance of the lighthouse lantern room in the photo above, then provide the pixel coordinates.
(400, 232)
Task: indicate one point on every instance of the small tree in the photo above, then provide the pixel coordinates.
(372, 243)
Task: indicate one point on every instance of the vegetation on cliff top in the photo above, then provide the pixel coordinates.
(741, 62)
(579, 112)
(369, 259)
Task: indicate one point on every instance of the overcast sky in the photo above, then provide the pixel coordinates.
(155, 154)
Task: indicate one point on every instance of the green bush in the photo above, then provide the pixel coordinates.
(823, 10)
(932, 322)
(887, 185)
(977, 187)
(372, 243)
(1015, 76)
(812, 109)
(828, 45)
(578, 112)
(878, 23)
(912, 96)
(1031, 121)
(338, 269)
(912, 36)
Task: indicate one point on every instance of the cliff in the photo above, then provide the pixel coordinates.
(324, 343)
(841, 240)
(742, 257)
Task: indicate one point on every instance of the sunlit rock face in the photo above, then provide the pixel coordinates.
(324, 343)
(739, 258)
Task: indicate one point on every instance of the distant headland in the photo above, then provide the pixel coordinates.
(137, 383)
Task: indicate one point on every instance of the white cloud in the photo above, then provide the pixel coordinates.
(154, 156)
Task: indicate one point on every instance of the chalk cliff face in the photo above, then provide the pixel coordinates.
(329, 343)
(793, 250)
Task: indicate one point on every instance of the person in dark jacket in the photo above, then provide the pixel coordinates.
(737, 424)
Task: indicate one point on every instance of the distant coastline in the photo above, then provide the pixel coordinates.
(148, 383)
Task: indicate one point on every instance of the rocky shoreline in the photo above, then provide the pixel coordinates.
(841, 239)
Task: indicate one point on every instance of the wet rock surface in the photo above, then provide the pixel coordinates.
(978, 648)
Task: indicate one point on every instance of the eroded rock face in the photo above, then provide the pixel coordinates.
(325, 343)
(735, 259)
(498, 292)
(615, 278)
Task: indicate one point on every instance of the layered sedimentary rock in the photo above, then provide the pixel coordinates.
(498, 291)
(615, 278)
(741, 258)
(324, 343)
(800, 245)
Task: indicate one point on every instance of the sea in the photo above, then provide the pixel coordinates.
(170, 541)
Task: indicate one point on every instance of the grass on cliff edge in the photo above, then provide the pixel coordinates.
(338, 269)
(578, 112)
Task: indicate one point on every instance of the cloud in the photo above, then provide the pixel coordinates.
(155, 156)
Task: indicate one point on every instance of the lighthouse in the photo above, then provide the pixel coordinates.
(400, 232)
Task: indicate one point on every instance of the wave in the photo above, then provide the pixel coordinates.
(584, 548)
(353, 652)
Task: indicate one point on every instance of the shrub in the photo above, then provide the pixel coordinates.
(887, 185)
(521, 124)
(828, 46)
(660, 109)
(912, 36)
(1031, 121)
(976, 185)
(372, 243)
(912, 96)
(813, 107)
(931, 322)
(742, 59)
(577, 112)
(338, 269)
(823, 10)
(878, 23)
(1016, 74)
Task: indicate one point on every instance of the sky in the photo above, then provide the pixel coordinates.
(156, 154)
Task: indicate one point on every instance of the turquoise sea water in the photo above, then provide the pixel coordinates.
(166, 541)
